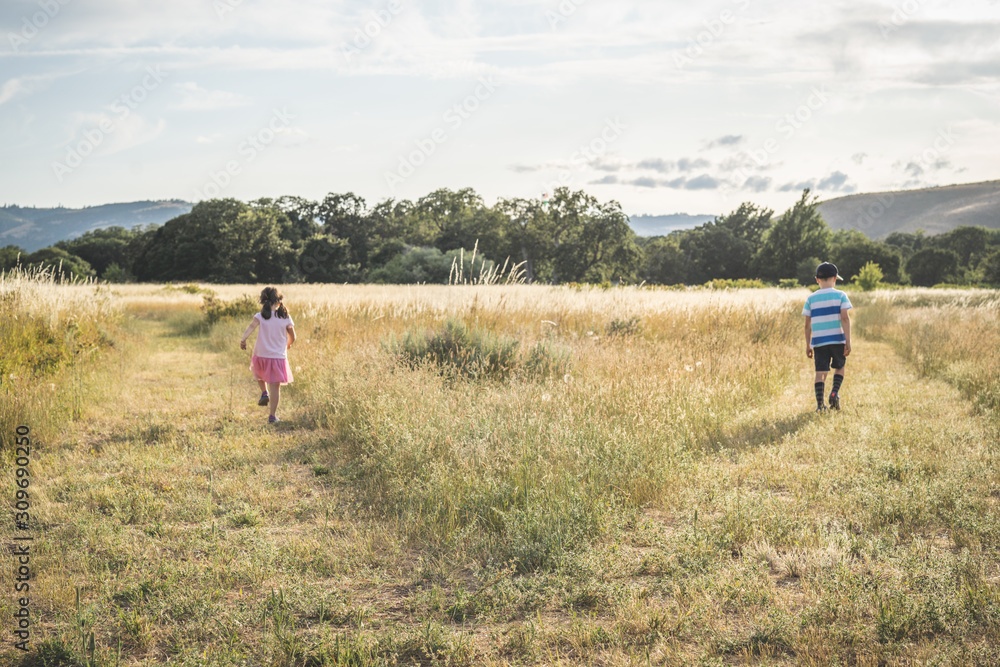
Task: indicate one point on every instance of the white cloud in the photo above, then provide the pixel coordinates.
(196, 98)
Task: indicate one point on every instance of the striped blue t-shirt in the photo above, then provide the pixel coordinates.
(824, 307)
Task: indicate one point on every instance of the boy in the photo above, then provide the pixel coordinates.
(828, 332)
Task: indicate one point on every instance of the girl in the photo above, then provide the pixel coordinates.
(270, 360)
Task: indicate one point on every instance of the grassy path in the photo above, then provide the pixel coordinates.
(863, 537)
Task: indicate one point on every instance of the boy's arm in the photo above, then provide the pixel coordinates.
(809, 347)
(246, 334)
(845, 323)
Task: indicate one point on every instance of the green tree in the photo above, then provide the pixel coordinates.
(220, 240)
(967, 242)
(327, 259)
(990, 266)
(344, 216)
(799, 233)
(300, 218)
(102, 247)
(427, 265)
(451, 220)
(524, 224)
(62, 262)
(931, 266)
(249, 247)
(593, 241)
(663, 261)
(9, 256)
(850, 250)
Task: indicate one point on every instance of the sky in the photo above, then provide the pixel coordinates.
(663, 106)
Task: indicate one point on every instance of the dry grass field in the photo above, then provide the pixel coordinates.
(584, 477)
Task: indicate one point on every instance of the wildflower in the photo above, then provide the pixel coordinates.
(567, 378)
(698, 364)
(546, 398)
(298, 368)
(688, 368)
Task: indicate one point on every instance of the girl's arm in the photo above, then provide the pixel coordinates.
(291, 334)
(246, 334)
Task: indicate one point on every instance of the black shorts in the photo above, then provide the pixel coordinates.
(829, 355)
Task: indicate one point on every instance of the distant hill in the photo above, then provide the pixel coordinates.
(34, 228)
(934, 210)
(661, 225)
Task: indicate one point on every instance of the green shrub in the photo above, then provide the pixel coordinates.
(869, 277)
(460, 351)
(544, 360)
(738, 283)
(623, 328)
(789, 283)
(456, 349)
(216, 309)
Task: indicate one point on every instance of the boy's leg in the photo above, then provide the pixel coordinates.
(820, 385)
(838, 379)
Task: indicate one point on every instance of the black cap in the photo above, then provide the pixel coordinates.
(827, 270)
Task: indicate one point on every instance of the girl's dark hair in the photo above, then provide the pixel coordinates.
(270, 296)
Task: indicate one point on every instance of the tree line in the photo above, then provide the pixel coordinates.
(568, 237)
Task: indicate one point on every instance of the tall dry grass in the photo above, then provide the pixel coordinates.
(951, 335)
(526, 469)
(49, 327)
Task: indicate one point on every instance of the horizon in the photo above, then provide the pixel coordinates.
(660, 106)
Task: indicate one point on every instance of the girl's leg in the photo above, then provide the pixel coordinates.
(263, 387)
(275, 390)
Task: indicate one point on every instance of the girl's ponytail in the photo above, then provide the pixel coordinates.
(271, 296)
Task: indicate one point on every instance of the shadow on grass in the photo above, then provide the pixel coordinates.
(754, 434)
(187, 324)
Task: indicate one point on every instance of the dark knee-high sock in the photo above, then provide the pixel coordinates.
(837, 381)
(819, 394)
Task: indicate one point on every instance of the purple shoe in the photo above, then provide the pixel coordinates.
(273, 419)
(263, 399)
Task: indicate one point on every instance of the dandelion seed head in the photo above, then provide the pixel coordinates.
(689, 368)
(567, 378)
(546, 397)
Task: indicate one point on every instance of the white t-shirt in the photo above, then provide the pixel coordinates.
(272, 340)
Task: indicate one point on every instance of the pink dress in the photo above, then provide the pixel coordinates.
(269, 361)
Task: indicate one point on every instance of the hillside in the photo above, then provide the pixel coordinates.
(34, 228)
(933, 210)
